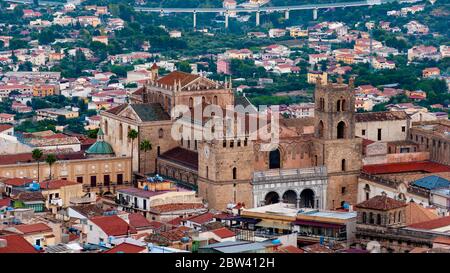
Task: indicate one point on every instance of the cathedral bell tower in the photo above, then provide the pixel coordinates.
(335, 145)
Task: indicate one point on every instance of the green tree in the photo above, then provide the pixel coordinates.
(132, 134)
(37, 155)
(145, 146)
(50, 160)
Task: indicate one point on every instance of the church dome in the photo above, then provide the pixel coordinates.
(100, 147)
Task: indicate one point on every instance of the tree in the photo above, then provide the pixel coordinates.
(145, 146)
(50, 160)
(37, 155)
(132, 134)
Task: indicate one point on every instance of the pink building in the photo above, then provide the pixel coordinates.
(223, 67)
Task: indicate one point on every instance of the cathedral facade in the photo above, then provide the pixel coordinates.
(314, 163)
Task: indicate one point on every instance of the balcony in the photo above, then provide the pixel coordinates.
(56, 202)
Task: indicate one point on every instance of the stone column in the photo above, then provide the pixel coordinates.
(195, 19)
(257, 18)
(226, 19)
(315, 14)
(286, 14)
(298, 202)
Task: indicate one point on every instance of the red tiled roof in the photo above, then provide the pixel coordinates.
(33, 228)
(138, 220)
(4, 202)
(112, 225)
(425, 166)
(56, 184)
(182, 156)
(18, 182)
(381, 202)
(27, 158)
(176, 207)
(175, 221)
(4, 127)
(125, 248)
(183, 77)
(432, 224)
(223, 232)
(16, 244)
(202, 219)
(289, 249)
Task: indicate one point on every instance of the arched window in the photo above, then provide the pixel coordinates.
(191, 102)
(106, 127)
(320, 129)
(203, 100)
(399, 219)
(371, 220)
(274, 159)
(120, 132)
(161, 133)
(364, 218)
(343, 165)
(215, 100)
(341, 130)
(338, 106)
(378, 219)
(344, 106)
(234, 173)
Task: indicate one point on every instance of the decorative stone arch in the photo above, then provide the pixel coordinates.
(341, 129)
(290, 196)
(272, 197)
(307, 198)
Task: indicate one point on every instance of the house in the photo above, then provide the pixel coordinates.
(316, 58)
(29, 200)
(54, 113)
(430, 72)
(6, 118)
(423, 52)
(13, 243)
(175, 34)
(382, 63)
(276, 32)
(168, 212)
(196, 222)
(220, 235)
(38, 234)
(415, 27)
(58, 193)
(223, 67)
(103, 228)
(314, 76)
(417, 95)
(126, 248)
(100, 39)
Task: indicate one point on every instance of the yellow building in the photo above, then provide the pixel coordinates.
(58, 192)
(297, 32)
(313, 75)
(43, 90)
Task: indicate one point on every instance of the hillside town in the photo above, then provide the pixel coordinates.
(99, 145)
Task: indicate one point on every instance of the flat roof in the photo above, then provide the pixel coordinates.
(329, 214)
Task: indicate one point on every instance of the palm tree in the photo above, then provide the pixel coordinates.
(145, 146)
(50, 160)
(132, 134)
(37, 155)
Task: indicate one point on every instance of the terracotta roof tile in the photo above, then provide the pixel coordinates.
(125, 248)
(432, 224)
(138, 221)
(183, 77)
(424, 166)
(16, 244)
(176, 207)
(33, 228)
(182, 156)
(56, 184)
(223, 232)
(381, 202)
(112, 225)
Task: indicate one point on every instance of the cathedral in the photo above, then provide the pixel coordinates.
(314, 163)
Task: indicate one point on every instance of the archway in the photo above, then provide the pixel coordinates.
(290, 197)
(274, 159)
(272, 198)
(320, 129)
(307, 198)
(341, 129)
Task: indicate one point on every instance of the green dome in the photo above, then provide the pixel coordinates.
(100, 147)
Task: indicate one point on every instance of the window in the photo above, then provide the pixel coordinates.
(224, 143)
(79, 179)
(245, 142)
(343, 190)
(119, 179)
(403, 128)
(158, 150)
(378, 219)
(343, 165)
(234, 173)
(231, 143)
(144, 204)
(106, 127)
(364, 217)
(367, 196)
(399, 216)
(379, 134)
(106, 180)
(239, 143)
(343, 105)
(120, 131)
(338, 106)
(215, 100)
(93, 181)
(191, 102)
(207, 171)
(371, 220)
(341, 130)
(195, 145)
(363, 132)
(161, 133)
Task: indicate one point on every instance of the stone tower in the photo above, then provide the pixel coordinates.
(225, 171)
(335, 145)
